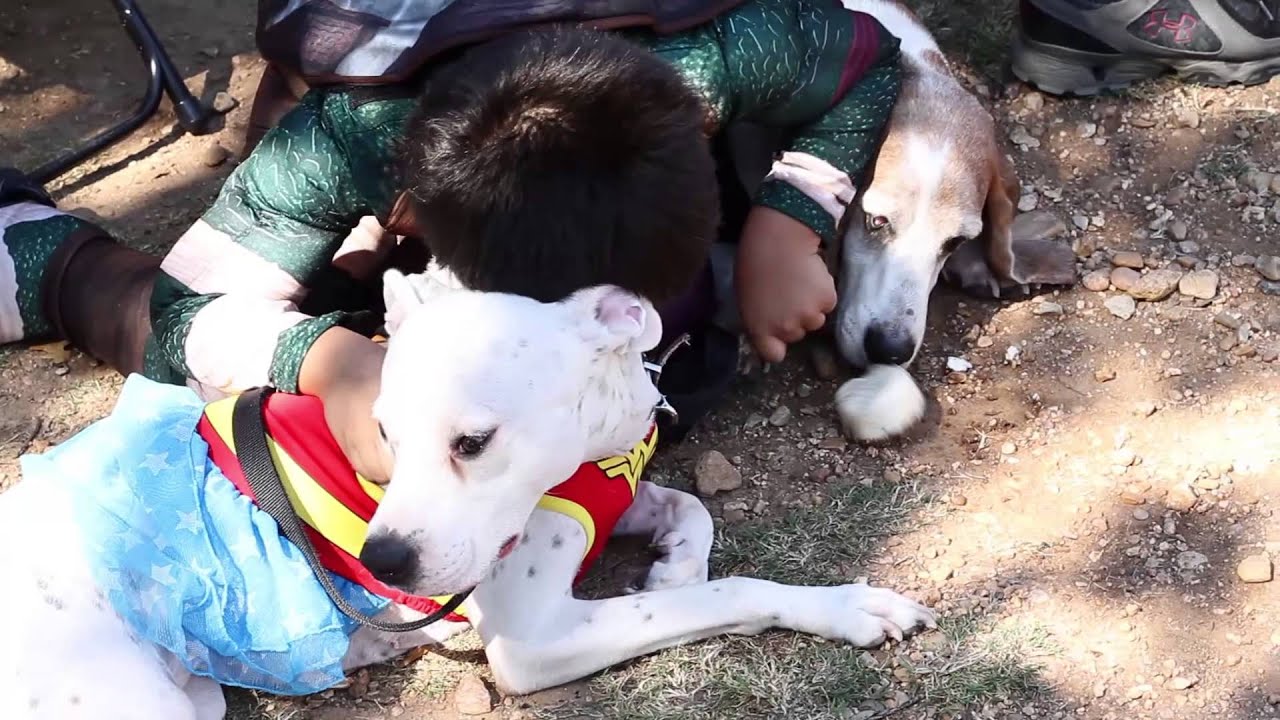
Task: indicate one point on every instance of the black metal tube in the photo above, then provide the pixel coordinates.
(162, 78)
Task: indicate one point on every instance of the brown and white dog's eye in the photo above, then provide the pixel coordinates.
(466, 447)
(952, 244)
(876, 223)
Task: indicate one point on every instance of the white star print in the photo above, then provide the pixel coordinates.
(151, 597)
(201, 570)
(163, 575)
(244, 548)
(294, 622)
(156, 463)
(190, 521)
(161, 543)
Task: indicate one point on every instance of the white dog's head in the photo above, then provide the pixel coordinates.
(489, 400)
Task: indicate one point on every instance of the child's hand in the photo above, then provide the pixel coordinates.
(344, 369)
(784, 288)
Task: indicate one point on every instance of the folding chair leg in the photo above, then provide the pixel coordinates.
(162, 78)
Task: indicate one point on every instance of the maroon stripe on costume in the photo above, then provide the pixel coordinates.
(864, 46)
(297, 424)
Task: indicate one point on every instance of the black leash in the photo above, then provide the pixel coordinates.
(250, 435)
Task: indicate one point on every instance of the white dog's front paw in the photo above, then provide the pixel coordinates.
(865, 616)
(682, 564)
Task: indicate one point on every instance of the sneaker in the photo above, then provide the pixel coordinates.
(1083, 47)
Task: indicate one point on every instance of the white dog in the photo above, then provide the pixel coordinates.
(488, 402)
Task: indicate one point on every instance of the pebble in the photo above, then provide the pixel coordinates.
(1104, 375)
(1180, 498)
(825, 365)
(1097, 280)
(1080, 221)
(1028, 202)
(1038, 225)
(1142, 121)
(1268, 266)
(1191, 560)
(1141, 514)
(214, 155)
(1020, 136)
(471, 697)
(1269, 287)
(1128, 259)
(1178, 230)
(1144, 408)
(1156, 285)
(1122, 306)
(223, 102)
(1227, 320)
(959, 500)
(1242, 260)
(1255, 569)
(781, 416)
(1008, 449)
(958, 364)
(1033, 101)
(1176, 196)
(1124, 278)
(1180, 683)
(714, 473)
(1259, 181)
(9, 71)
(892, 476)
(735, 512)
(1202, 284)
(1088, 129)
(1189, 247)
(1047, 308)
(1187, 117)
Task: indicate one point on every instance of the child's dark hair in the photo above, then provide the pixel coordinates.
(546, 161)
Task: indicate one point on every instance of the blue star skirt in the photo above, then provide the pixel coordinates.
(190, 563)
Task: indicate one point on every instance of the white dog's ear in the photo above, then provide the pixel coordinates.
(401, 295)
(626, 321)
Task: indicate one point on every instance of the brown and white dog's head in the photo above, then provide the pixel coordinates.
(940, 198)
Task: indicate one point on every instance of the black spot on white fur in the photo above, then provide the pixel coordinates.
(556, 541)
(647, 617)
(533, 571)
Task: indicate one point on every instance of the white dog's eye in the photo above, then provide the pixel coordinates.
(469, 446)
(383, 433)
(877, 222)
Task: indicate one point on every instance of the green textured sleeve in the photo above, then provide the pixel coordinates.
(224, 309)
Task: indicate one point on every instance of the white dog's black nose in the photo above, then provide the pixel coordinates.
(389, 558)
(886, 346)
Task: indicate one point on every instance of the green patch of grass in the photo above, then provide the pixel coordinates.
(1227, 163)
(972, 662)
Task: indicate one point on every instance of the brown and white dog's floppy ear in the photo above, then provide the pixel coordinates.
(997, 257)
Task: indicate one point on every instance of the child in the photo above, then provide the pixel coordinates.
(528, 161)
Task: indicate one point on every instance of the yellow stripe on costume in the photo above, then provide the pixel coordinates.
(315, 506)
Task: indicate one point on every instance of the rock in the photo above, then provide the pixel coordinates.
(1178, 230)
(1097, 280)
(781, 416)
(1202, 284)
(224, 103)
(9, 71)
(1084, 247)
(958, 364)
(1141, 514)
(1033, 101)
(892, 476)
(1189, 247)
(1124, 278)
(1156, 285)
(1190, 560)
(714, 473)
(471, 697)
(1008, 449)
(1227, 320)
(1145, 408)
(1038, 225)
(1080, 221)
(1180, 498)
(1047, 308)
(1020, 136)
(1128, 259)
(1275, 184)
(1242, 260)
(1142, 121)
(735, 514)
(1269, 287)
(959, 500)
(1103, 375)
(1187, 117)
(1268, 266)
(214, 155)
(1180, 683)
(1255, 569)
(1087, 129)
(1122, 306)
(1176, 196)
(211, 51)
(1259, 181)
(1028, 202)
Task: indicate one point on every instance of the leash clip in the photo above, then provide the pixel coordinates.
(655, 373)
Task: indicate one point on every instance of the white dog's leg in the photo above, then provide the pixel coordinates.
(681, 529)
(537, 635)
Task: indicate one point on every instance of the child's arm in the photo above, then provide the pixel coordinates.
(225, 307)
(827, 76)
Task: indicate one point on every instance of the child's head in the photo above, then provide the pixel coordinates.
(543, 162)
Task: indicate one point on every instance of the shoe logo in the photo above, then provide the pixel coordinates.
(1182, 29)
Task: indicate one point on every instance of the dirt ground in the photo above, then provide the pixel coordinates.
(1078, 505)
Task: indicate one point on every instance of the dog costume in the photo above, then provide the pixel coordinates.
(194, 566)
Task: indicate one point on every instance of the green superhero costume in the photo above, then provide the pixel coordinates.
(237, 303)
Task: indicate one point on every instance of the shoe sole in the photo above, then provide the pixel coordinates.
(1065, 71)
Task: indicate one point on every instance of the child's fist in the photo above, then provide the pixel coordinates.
(784, 288)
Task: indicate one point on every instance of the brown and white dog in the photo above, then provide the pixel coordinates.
(940, 198)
